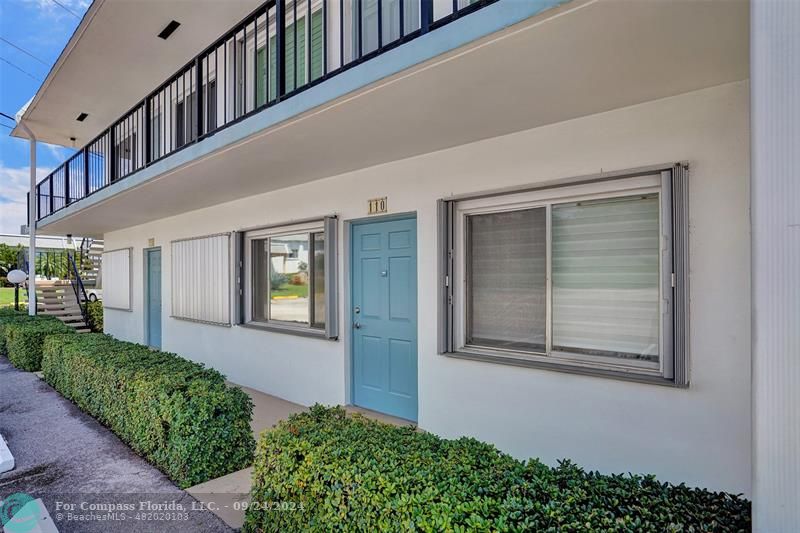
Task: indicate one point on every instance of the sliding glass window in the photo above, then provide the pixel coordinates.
(288, 277)
(579, 275)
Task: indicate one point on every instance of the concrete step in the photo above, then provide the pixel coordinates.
(50, 307)
(75, 321)
(59, 312)
(50, 297)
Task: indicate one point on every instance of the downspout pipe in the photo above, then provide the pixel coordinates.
(32, 216)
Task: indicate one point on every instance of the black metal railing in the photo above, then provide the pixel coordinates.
(79, 289)
(279, 50)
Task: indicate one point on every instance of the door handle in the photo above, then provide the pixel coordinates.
(357, 325)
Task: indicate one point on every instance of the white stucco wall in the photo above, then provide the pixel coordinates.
(700, 435)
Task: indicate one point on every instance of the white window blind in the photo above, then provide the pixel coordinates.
(201, 279)
(589, 277)
(507, 275)
(606, 276)
(117, 279)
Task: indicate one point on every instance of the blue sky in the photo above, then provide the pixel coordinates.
(42, 28)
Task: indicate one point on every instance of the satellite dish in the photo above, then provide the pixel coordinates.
(16, 277)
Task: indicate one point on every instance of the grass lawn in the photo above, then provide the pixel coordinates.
(7, 296)
(299, 291)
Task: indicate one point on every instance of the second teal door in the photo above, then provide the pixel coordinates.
(384, 316)
(153, 260)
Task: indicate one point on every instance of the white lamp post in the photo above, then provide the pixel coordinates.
(16, 277)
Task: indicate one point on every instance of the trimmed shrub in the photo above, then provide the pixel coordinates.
(94, 310)
(276, 280)
(23, 337)
(178, 415)
(8, 315)
(324, 470)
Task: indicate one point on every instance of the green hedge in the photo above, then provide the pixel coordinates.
(8, 315)
(323, 470)
(177, 414)
(23, 336)
(94, 311)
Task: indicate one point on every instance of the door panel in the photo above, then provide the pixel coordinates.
(385, 316)
(154, 298)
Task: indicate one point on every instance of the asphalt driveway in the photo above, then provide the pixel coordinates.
(88, 479)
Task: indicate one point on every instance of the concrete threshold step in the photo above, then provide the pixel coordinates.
(225, 494)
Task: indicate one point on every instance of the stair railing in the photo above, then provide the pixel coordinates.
(80, 291)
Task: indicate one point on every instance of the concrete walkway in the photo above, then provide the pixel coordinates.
(66, 458)
(227, 495)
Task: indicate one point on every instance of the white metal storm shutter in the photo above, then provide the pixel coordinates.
(331, 276)
(445, 213)
(680, 259)
(201, 279)
(117, 279)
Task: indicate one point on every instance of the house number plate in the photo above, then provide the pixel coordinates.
(377, 205)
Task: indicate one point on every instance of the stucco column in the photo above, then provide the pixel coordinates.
(775, 198)
(33, 205)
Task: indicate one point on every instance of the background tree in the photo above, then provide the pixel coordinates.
(8, 258)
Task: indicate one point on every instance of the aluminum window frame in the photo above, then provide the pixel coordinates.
(244, 291)
(672, 368)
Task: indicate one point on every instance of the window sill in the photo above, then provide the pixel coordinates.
(289, 330)
(126, 309)
(565, 367)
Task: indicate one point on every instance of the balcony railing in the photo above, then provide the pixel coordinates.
(276, 52)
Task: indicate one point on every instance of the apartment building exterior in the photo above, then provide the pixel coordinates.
(523, 221)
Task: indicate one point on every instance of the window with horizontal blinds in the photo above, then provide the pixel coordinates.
(606, 265)
(317, 44)
(117, 279)
(295, 55)
(506, 279)
(586, 277)
(261, 76)
(201, 279)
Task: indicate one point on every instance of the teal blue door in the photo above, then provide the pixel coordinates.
(384, 316)
(153, 303)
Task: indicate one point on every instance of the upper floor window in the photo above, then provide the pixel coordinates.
(579, 277)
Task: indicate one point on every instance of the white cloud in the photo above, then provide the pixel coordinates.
(51, 9)
(14, 185)
(58, 152)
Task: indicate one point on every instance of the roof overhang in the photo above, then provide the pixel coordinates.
(115, 58)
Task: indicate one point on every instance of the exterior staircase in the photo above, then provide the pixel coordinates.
(92, 254)
(57, 298)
